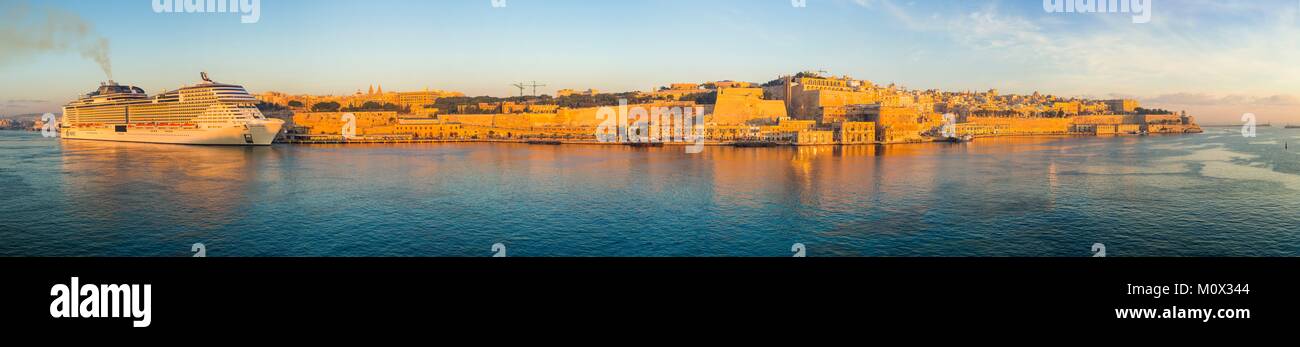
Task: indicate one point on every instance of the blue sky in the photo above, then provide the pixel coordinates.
(1218, 59)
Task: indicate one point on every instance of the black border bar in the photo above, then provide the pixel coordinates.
(311, 294)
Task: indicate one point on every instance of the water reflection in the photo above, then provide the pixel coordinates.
(998, 196)
(126, 185)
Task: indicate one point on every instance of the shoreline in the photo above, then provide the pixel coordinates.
(737, 144)
(550, 142)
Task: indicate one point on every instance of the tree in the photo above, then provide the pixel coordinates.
(709, 98)
(326, 107)
(807, 74)
(449, 105)
(374, 106)
(1155, 111)
(598, 100)
(295, 103)
(269, 107)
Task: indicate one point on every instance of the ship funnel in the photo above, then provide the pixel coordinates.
(204, 76)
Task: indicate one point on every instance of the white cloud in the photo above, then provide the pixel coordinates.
(1241, 54)
(1105, 53)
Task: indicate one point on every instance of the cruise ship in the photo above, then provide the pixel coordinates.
(208, 113)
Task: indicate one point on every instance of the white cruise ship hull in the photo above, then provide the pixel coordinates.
(256, 133)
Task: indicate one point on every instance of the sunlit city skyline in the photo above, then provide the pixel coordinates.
(1217, 60)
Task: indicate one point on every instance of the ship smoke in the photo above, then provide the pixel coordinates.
(26, 33)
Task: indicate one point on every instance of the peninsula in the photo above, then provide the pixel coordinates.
(806, 108)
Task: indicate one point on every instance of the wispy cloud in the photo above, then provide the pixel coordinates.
(1179, 56)
(25, 101)
(1236, 99)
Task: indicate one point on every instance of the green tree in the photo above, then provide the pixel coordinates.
(269, 107)
(375, 106)
(1154, 111)
(326, 107)
(709, 98)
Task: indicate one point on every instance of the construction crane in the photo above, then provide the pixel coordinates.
(521, 87)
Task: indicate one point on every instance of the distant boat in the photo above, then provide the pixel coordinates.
(1291, 126)
(745, 144)
(645, 144)
(960, 139)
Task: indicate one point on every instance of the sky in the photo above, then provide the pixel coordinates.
(1217, 59)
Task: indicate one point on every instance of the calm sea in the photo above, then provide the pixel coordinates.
(1215, 194)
